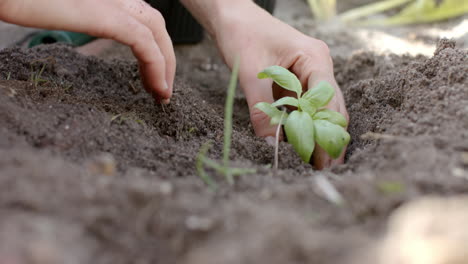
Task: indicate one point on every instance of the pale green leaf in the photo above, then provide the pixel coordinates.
(320, 95)
(306, 106)
(299, 129)
(331, 116)
(286, 101)
(268, 109)
(283, 77)
(273, 112)
(332, 138)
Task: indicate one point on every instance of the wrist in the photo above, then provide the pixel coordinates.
(215, 15)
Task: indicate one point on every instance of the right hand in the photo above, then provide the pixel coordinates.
(262, 41)
(131, 22)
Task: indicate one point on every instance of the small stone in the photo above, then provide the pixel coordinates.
(460, 173)
(166, 188)
(103, 164)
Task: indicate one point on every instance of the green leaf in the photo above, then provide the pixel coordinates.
(307, 107)
(273, 112)
(286, 101)
(320, 95)
(331, 116)
(277, 119)
(283, 78)
(268, 109)
(332, 138)
(299, 129)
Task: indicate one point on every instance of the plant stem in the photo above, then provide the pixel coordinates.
(228, 118)
(278, 129)
(201, 159)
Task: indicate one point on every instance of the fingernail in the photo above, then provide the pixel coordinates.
(165, 101)
(165, 87)
(271, 141)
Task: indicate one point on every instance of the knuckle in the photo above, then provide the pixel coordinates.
(158, 18)
(322, 47)
(143, 34)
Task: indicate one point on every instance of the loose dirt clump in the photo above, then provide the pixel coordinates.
(93, 171)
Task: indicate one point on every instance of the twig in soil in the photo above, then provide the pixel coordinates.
(133, 89)
(378, 136)
(222, 168)
(278, 129)
(163, 108)
(330, 192)
(8, 76)
(118, 116)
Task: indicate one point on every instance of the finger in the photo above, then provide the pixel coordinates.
(257, 91)
(153, 19)
(116, 24)
(152, 63)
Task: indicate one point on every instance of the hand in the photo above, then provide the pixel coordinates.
(131, 22)
(261, 41)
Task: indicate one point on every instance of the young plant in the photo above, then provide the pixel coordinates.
(223, 167)
(311, 123)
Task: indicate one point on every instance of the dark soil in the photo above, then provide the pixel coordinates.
(63, 132)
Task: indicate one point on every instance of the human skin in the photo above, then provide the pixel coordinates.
(240, 28)
(131, 22)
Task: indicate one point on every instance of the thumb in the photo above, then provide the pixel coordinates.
(257, 91)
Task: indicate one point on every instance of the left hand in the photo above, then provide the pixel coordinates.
(131, 22)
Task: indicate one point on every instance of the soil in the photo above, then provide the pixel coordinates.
(93, 171)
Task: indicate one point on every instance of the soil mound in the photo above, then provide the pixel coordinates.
(93, 171)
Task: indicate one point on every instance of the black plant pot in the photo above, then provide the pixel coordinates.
(181, 25)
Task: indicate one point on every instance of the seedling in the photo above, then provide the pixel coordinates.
(36, 77)
(311, 123)
(223, 167)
